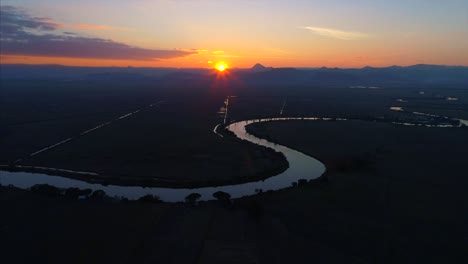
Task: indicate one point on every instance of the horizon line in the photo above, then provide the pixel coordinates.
(209, 68)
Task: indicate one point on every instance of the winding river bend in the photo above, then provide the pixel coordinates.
(301, 166)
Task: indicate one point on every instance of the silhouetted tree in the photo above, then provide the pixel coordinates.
(72, 193)
(46, 189)
(192, 198)
(150, 199)
(98, 195)
(222, 196)
(301, 182)
(87, 192)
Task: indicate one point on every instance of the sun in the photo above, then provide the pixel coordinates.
(221, 66)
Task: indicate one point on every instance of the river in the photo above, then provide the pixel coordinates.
(301, 166)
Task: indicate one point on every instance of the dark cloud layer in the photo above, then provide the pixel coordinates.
(14, 20)
(22, 34)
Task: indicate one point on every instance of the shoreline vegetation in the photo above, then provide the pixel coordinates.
(353, 164)
(386, 221)
(277, 165)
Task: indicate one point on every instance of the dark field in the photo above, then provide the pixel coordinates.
(405, 203)
(233, 132)
(391, 193)
(172, 143)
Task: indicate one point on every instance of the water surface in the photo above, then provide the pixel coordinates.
(301, 166)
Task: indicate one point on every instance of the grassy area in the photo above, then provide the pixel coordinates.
(406, 205)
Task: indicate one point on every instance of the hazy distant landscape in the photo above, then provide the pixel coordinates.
(150, 143)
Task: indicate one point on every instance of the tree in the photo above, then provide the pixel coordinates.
(192, 198)
(72, 193)
(86, 192)
(301, 182)
(222, 196)
(98, 195)
(46, 189)
(149, 199)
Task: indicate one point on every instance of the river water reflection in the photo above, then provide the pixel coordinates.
(301, 166)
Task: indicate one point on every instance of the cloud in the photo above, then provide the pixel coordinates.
(95, 27)
(335, 33)
(218, 52)
(14, 19)
(276, 51)
(22, 34)
(91, 27)
(82, 47)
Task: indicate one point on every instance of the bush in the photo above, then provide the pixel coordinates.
(87, 192)
(222, 196)
(149, 199)
(72, 193)
(98, 195)
(193, 197)
(46, 189)
(301, 182)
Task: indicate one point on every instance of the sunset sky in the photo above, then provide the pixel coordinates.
(189, 33)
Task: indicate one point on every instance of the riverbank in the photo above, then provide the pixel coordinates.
(265, 163)
(393, 194)
(409, 205)
(303, 168)
(154, 148)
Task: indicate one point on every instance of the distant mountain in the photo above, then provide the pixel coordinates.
(186, 76)
(115, 76)
(393, 76)
(259, 68)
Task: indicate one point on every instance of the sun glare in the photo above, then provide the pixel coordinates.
(221, 66)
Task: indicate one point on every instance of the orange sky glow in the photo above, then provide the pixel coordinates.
(183, 34)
